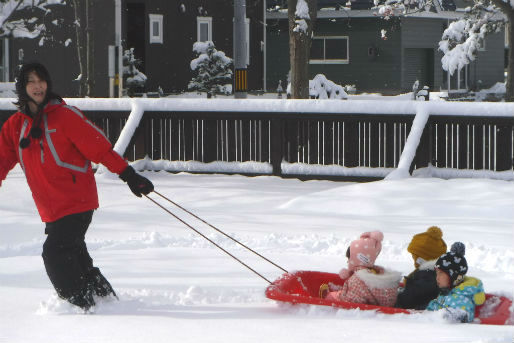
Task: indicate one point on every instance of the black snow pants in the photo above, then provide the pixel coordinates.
(68, 264)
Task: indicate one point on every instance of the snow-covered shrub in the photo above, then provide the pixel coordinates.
(423, 94)
(134, 80)
(495, 93)
(350, 89)
(322, 88)
(213, 73)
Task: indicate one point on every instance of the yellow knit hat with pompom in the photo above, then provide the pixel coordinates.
(428, 245)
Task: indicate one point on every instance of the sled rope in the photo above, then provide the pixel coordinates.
(218, 230)
(207, 238)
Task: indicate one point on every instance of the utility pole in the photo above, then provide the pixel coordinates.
(240, 46)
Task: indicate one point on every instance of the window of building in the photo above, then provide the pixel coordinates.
(458, 81)
(329, 50)
(204, 29)
(156, 34)
(462, 78)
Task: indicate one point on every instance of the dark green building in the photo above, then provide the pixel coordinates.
(349, 48)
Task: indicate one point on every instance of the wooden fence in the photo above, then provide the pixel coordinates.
(311, 138)
(474, 143)
(373, 141)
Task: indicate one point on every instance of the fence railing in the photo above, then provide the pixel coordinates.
(349, 141)
(469, 143)
(328, 144)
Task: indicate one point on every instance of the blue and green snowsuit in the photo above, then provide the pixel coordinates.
(465, 296)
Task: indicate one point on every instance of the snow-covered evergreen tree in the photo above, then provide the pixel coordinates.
(213, 73)
(134, 79)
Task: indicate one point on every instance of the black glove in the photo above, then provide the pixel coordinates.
(138, 184)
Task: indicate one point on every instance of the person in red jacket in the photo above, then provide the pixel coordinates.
(54, 144)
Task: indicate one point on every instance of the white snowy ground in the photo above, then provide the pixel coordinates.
(176, 287)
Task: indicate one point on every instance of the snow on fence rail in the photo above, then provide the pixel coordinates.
(328, 139)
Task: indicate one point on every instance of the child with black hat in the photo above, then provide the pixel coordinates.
(420, 286)
(459, 294)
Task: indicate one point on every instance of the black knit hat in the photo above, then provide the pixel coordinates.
(454, 263)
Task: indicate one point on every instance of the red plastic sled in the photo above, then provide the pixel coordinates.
(302, 287)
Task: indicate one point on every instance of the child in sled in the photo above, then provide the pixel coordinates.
(367, 283)
(420, 286)
(458, 294)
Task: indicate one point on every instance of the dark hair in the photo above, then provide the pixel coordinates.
(22, 79)
(24, 99)
(348, 252)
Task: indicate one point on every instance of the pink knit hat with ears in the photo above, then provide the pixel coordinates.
(364, 251)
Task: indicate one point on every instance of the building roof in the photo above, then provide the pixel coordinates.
(371, 13)
(329, 9)
(448, 5)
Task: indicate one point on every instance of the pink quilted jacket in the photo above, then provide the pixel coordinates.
(366, 286)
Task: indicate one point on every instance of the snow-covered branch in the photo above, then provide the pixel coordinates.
(391, 8)
(22, 27)
(301, 17)
(463, 38)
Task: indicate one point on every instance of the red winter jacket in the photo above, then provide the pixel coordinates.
(57, 165)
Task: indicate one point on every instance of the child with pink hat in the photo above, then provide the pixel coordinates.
(367, 283)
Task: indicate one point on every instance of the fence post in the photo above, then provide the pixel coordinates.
(431, 139)
(423, 157)
(147, 126)
(504, 152)
(277, 136)
(210, 140)
(139, 141)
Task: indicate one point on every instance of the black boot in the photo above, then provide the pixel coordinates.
(84, 299)
(99, 284)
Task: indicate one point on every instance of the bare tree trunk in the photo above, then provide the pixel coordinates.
(90, 38)
(85, 51)
(299, 49)
(509, 93)
(80, 46)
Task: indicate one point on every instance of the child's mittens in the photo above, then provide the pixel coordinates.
(345, 273)
(324, 289)
(456, 315)
(333, 296)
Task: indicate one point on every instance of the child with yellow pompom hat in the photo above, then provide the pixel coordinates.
(420, 286)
